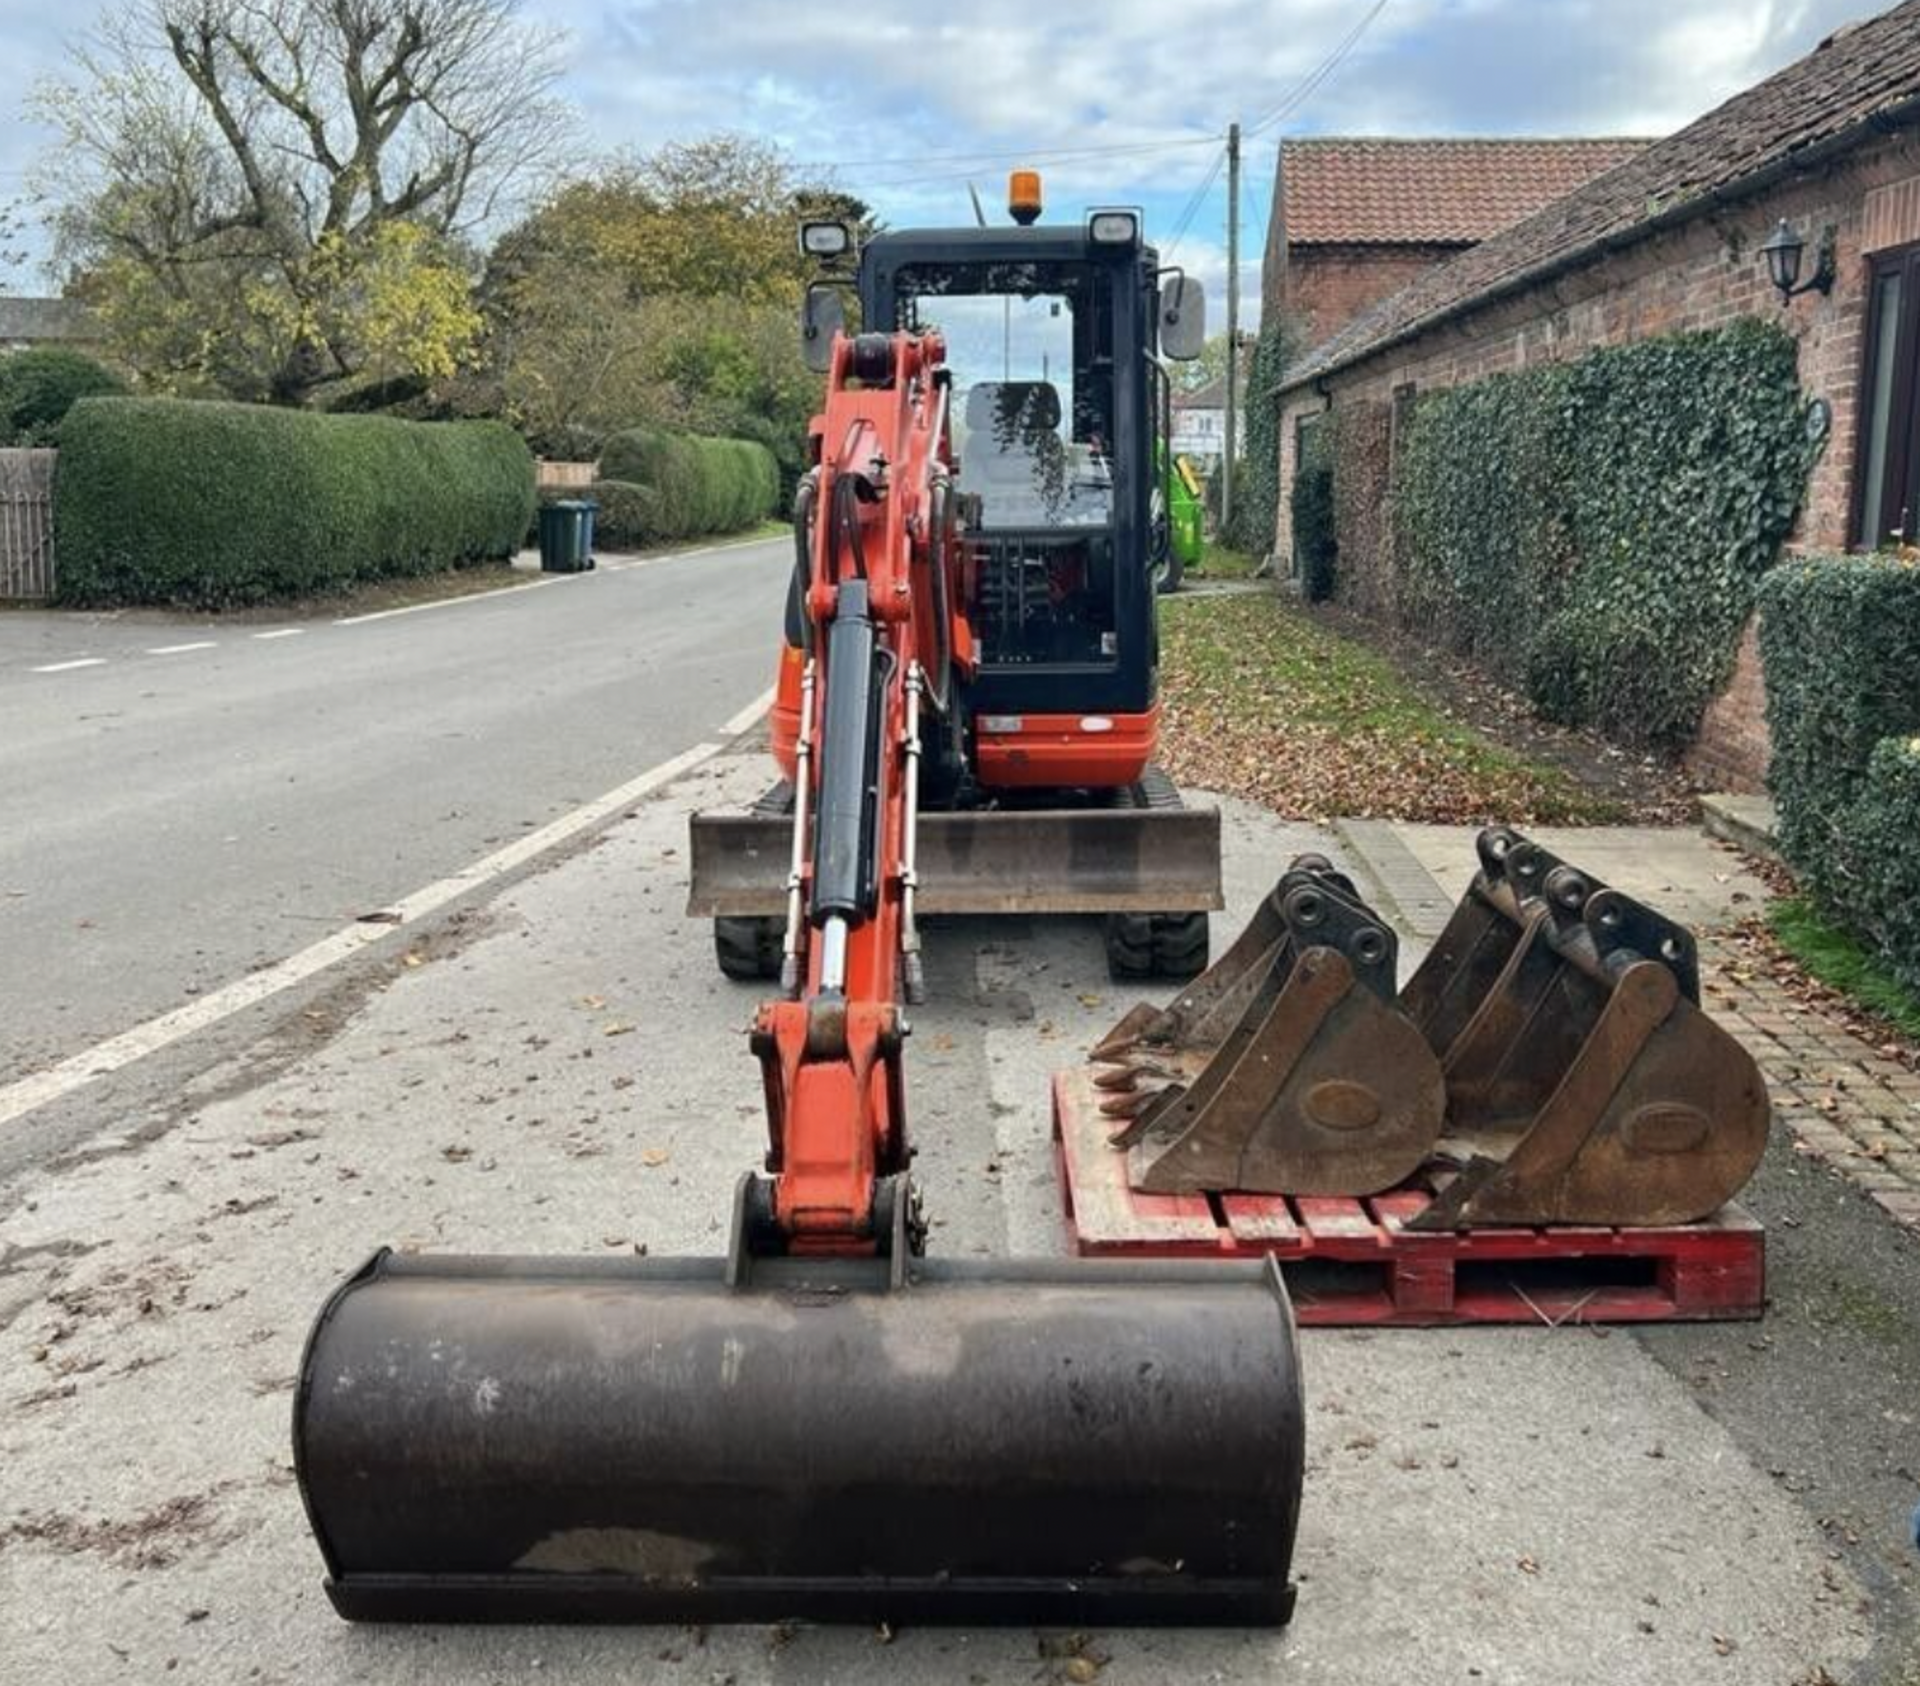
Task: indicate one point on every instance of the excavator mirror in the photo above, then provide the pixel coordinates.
(1183, 318)
(821, 317)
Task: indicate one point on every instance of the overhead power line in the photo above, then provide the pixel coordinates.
(1194, 201)
(1029, 155)
(1310, 84)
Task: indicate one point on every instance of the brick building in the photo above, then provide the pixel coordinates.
(1355, 219)
(1669, 241)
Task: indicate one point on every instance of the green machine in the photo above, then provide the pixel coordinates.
(1185, 506)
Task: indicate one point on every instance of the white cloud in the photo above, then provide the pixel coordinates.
(890, 96)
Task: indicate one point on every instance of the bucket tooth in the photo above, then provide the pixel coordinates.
(1121, 1040)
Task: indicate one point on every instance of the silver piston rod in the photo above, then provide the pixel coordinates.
(913, 973)
(796, 871)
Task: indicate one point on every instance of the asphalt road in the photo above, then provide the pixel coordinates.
(186, 800)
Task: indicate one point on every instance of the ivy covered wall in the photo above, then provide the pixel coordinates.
(1594, 530)
(1257, 476)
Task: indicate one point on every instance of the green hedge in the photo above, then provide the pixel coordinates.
(699, 485)
(38, 387)
(159, 500)
(1256, 483)
(629, 514)
(1840, 648)
(1596, 529)
(1885, 846)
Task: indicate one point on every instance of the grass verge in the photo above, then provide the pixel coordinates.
(1841, 962)
(1223, 562)
(1264, 703)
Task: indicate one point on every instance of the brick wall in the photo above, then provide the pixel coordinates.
(1324, 287)
(1703, 274)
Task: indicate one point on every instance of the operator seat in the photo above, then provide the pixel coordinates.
(1013, 457)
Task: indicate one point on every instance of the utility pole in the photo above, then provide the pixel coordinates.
(1233, 319)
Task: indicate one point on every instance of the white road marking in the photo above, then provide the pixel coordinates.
(553, 579)
(180, 649)
(633, 562)
(452, 602)
(282, 632)
(750, 715)
(68, 667)
(681, 555)
(107, 1057)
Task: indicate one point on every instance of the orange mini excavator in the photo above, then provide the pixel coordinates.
(826, 1423)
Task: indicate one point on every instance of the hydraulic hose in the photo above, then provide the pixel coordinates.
(799, 622)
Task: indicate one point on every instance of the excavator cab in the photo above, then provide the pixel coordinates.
(1052, 342)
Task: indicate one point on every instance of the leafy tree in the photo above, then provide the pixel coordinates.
(1204, 370)
(708, 218)
(274, 195)
(664, 290)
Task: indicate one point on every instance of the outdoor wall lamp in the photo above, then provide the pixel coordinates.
(1783, 250)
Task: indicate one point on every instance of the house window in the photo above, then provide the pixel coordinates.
(1887, 466)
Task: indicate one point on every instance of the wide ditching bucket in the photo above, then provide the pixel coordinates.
(1549, 1060)
(523, 1439)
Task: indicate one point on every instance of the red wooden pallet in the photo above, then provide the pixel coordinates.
(1355, 1261)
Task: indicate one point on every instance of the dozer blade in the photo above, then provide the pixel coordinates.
(1584, 1083)
(521, 1439)
(1052, 860)
(1288, 1067)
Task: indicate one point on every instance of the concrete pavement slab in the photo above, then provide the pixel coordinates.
(1684, 873)
(565, 1070)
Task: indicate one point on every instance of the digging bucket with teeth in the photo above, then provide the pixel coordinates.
(1548, 1062)
(1285, 1068)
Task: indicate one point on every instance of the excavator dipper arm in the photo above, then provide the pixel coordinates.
(831, 1053)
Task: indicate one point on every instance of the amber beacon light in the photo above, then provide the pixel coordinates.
(1023, 197)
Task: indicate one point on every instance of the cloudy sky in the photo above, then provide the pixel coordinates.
(1118, 102)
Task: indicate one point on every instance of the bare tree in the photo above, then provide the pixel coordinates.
(270, 140)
